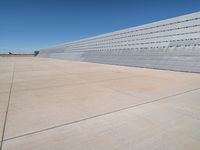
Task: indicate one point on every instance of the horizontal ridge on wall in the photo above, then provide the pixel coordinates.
(171, 44)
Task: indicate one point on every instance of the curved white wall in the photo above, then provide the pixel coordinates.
(172, 44)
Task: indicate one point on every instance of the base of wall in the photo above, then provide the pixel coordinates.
(187, 60)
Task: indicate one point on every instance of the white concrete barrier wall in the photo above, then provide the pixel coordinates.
(172, 44)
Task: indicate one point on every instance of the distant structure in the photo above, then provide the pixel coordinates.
(171, 44)
(36, 53)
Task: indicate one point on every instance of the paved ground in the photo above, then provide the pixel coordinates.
(56, 105)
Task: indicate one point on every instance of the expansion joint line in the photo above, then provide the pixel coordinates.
(7, 108)
(100, 115)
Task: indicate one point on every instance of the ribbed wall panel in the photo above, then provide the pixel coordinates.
(171, 44)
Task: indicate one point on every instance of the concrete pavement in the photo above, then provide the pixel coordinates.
(58, 104)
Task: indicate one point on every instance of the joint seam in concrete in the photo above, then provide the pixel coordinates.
(7, 108)
(99, 115)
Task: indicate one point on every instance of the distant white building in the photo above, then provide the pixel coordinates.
(172, 44)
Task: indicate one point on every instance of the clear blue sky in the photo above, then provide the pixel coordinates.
(28, 25)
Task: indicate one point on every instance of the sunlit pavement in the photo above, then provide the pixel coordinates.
(49, 104)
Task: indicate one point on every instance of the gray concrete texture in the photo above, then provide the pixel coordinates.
(172, 44)
(70, 105)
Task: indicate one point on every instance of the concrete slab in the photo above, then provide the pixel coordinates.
(151, 88)
(157, 125)
(3, 106)
(6, 68)
(58, 104)
(48, 79)
(5, 81)
(4, 87)
(6, 77)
